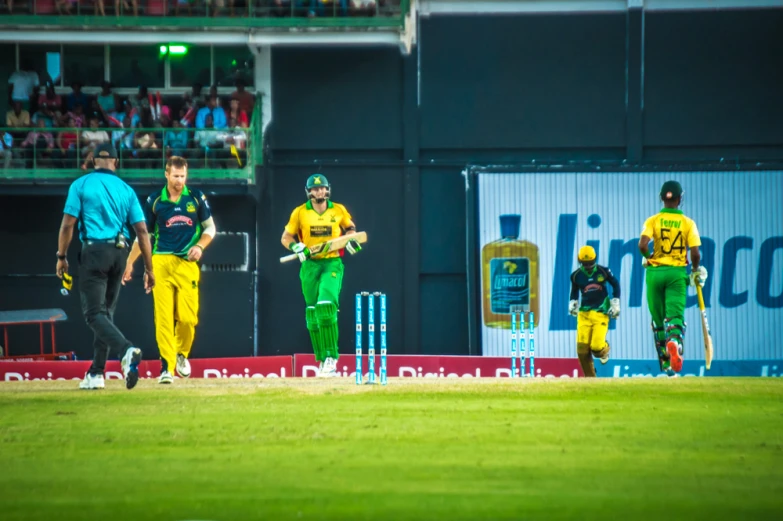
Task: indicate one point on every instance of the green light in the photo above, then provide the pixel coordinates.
(234, 63)
(178, 50)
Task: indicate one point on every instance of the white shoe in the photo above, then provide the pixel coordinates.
(330, 368)
(130, 366)
(92, 382)
(320, 369)
(165, 378)
(183, 366)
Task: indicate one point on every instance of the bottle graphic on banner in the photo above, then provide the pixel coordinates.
(509, 274)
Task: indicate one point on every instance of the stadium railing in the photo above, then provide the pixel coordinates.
(200, 14)
(217, 154)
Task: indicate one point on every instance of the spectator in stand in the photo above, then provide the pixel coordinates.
(216, 114)
(76, 97)
(176, 141)
(246, 100)
(126, 9)
(24, 82)
(107, 99)
(122, 110)
(77, 115)
(51, 99)
(17, 117)
(67, 141)
(322, 7)
(238, 114)
(122, 139)
(363, 7)
(6, 144)
(144, 144)
(45, 114)
(64, 6)
(183, 3)
(38, 144)
(210, 142)
(91, 138)
(137, 99)
(236, 138)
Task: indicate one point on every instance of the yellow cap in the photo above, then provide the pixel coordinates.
(586, 254)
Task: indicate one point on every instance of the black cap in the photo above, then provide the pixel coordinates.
(105, 151)
(671, 190)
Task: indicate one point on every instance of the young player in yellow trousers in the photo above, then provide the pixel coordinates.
(180, 220)
(316, 221)
(592, 316)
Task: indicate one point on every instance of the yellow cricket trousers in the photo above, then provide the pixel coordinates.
(176, 306)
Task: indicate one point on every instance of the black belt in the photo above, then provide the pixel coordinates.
(90, 242)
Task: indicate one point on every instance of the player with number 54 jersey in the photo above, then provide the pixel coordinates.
(673, 235)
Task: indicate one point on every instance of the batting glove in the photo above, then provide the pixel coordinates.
(353, 247)
(699, 276)
(614, 308)
(645, 262)
(302, 251)
(573, 308)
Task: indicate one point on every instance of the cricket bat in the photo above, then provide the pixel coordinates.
(322, 248)
(705, 329)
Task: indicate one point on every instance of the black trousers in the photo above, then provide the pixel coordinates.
(100, 276)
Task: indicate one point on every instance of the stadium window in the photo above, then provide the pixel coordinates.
(83, 63)
(132, 66)
(231, 63)
(190, 67)
(45, 59)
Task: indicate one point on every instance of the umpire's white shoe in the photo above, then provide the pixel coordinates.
(92, 382)
(130, 366)
(165, 378)
(183, 366)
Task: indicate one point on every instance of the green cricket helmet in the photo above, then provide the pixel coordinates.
(317, 181)
(671, 190)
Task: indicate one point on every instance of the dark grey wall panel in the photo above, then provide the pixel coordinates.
(713, 78)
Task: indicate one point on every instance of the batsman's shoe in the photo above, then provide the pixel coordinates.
(320, 369)
(330, 368)
(92, 381)
(130, 366)
(675, 355)
(165, 378)
(605, 358)
(183, 366)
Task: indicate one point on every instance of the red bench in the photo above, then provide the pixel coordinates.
(33, 316)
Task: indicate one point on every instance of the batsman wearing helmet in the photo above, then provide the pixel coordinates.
(319, 220)
(672, 234)
(592, 316)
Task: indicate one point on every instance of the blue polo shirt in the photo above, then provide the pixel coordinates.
(104, 205)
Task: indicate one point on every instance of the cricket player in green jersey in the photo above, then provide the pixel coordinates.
(672, 234)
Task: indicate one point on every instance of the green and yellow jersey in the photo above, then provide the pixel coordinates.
(672, 234)
(312, 228)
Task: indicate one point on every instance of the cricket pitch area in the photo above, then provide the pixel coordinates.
(242, 449)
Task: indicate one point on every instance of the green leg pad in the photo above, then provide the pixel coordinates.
(326, 312)
(315, 333)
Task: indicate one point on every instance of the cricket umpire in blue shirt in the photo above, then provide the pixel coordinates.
(104, 205)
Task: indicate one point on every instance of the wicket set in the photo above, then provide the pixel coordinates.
(370, 337)
(518, 340)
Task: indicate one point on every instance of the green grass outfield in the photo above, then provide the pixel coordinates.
(707, 448)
